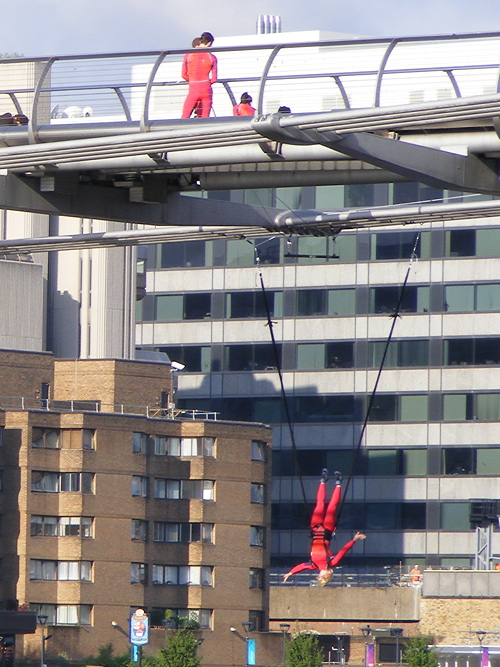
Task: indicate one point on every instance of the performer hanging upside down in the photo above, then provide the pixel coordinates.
(323, 522)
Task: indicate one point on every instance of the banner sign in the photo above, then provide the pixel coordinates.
(139, 628)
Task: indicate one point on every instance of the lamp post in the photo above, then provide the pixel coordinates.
(485, 658)
(369, 648)
(42, 620)
(249, 644)
(397, 632)
(284, 627)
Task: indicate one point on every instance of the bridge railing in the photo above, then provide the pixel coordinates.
(308, 77)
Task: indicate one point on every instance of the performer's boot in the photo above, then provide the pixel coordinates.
(324, 475)
(338, 477)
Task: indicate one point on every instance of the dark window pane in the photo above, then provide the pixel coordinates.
(239, 358)
(340, 355)
(196, 306)
(459, 461)
(382, 516)
(458, 352)
(487, 351)
(383, 409)
(265, 357)
(324, 408)
(413, 516)
(461, 242)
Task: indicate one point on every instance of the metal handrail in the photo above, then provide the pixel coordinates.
(23, 403)
(264, 73)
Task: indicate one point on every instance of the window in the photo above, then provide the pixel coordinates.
(472, 351)
(53, 570)
(240, 305)
(63, 526)
(184, 254)
(184, 446)
(183, 575)
(47, 438)
(312, 356)
(385, 299)
(341, 302)
(257, 493)
(455, 516)
(406, 408)
(139, 530)
(74, 438)
(139, 486)
(139, 443)
(458, 461)
(64, 614)
(400, 354)
(201, 617)
(312, 302)
(460, 243)
(196, 358)
(464, 407)
(53, 482)
(178, 307)
(249, 357)
(400, 245)
(256, 536)
(256, 577)
(191, 489)
(258, 450)
(164, 531)
(138, 573)
(256, 618)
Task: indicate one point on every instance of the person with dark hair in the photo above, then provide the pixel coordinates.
(323, 523)
(244, 108)
(199, 69)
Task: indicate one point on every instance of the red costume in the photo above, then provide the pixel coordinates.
(200, 70)
(243, 109)
(322, 528)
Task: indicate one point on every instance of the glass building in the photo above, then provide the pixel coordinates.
(431, 448)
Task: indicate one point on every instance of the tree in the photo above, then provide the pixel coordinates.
(417, 652)
(180, 651)
(304, 650)
(106, 658)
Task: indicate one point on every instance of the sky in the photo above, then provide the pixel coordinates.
(70, 27)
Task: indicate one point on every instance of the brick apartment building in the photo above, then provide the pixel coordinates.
(108, 505)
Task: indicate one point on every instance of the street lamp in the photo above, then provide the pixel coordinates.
(42, 619)
(485, 657)
(397, 632)
(284, 627)
(369, 648)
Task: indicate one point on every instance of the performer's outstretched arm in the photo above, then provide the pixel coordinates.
(299, 568)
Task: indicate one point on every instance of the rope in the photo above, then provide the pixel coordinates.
(284, 396)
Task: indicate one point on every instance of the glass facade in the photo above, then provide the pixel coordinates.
(331, 302)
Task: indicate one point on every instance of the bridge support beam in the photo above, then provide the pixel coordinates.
(84, 200)
(434, 167)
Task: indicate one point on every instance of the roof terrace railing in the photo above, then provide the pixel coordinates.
(151, 412)
(308, 77)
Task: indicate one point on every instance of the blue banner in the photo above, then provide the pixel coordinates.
(250, 651)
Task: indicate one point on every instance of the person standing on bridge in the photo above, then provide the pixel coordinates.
(199, 69)
(323, 523)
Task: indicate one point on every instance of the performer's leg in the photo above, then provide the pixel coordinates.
(319, 510)
(190, 103)
(330, 519)
(206, 101)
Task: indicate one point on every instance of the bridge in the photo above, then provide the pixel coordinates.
(104, 139)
